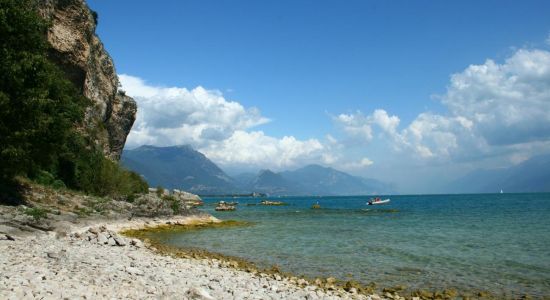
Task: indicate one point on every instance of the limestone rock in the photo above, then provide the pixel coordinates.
(53, 255)
(119, 241)
(111, 241)
(81, 55)
(198, 293)
(134, 271)
(102, 238)
(6, 237)
(136, 243)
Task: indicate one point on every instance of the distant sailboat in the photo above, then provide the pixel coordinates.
(501, 192)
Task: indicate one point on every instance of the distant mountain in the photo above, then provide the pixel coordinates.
(184, 168)
(312, 180)
(319, 180)
(178, 167)
(244, 179)
(273, 183)
(532, 175)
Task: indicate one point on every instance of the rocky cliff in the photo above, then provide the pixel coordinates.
(81, 55)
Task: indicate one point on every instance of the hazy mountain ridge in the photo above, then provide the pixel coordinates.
(319, 180)
(532, 175)
(178, 167)
(184, 168)
(267, 181)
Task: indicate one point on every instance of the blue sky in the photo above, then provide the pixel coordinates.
(302, 70)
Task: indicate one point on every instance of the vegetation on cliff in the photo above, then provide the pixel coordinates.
(41, 114)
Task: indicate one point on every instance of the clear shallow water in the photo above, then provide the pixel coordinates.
(492, 242)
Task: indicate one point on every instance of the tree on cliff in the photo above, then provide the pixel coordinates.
(38, 107)
(40, 110)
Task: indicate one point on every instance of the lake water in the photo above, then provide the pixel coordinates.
(491, 242)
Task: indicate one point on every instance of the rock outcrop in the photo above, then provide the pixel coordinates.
(81, 55)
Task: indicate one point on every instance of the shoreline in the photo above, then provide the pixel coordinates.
(93, 259)
(327, 284)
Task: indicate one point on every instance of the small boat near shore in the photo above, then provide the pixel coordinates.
(272, 203)
(378, 201)
(225, 206)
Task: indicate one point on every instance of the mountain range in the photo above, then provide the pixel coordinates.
(182, 167)
(178, 167)
(532, 175)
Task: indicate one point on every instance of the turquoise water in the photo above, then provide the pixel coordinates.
(492, 242)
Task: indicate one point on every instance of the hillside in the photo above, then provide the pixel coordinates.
(312, 180)
(319, 180)
(178, 167)
(267, 181)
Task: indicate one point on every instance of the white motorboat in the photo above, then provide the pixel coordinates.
(378, 201)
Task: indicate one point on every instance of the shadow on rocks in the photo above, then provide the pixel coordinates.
(11, 192)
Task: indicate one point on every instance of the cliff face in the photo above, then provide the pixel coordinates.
(79, 52)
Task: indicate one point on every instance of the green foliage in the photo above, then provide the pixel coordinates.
(175, 204)
(169, 198)
(39, 113)
(38, 106)
(131, 198)
(95, 16)
(44, 178)
(160, 191)
(36, 212)
(102, 177)
(58, 184)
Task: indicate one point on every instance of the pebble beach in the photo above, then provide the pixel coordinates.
(96, 262)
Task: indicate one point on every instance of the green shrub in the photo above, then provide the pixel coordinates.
(131, 198)
(36, 212)
(100, 176)
(175, 204)
(95, 16)
(160, 191)
(58, 184)
(45, 178)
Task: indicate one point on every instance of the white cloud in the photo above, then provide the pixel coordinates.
(361, 127)
(173, 115)
(257, 149)
(215, 126)
(435, 136)
(507, 103)
(357, 165)
(355, 125)
(492, 109)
